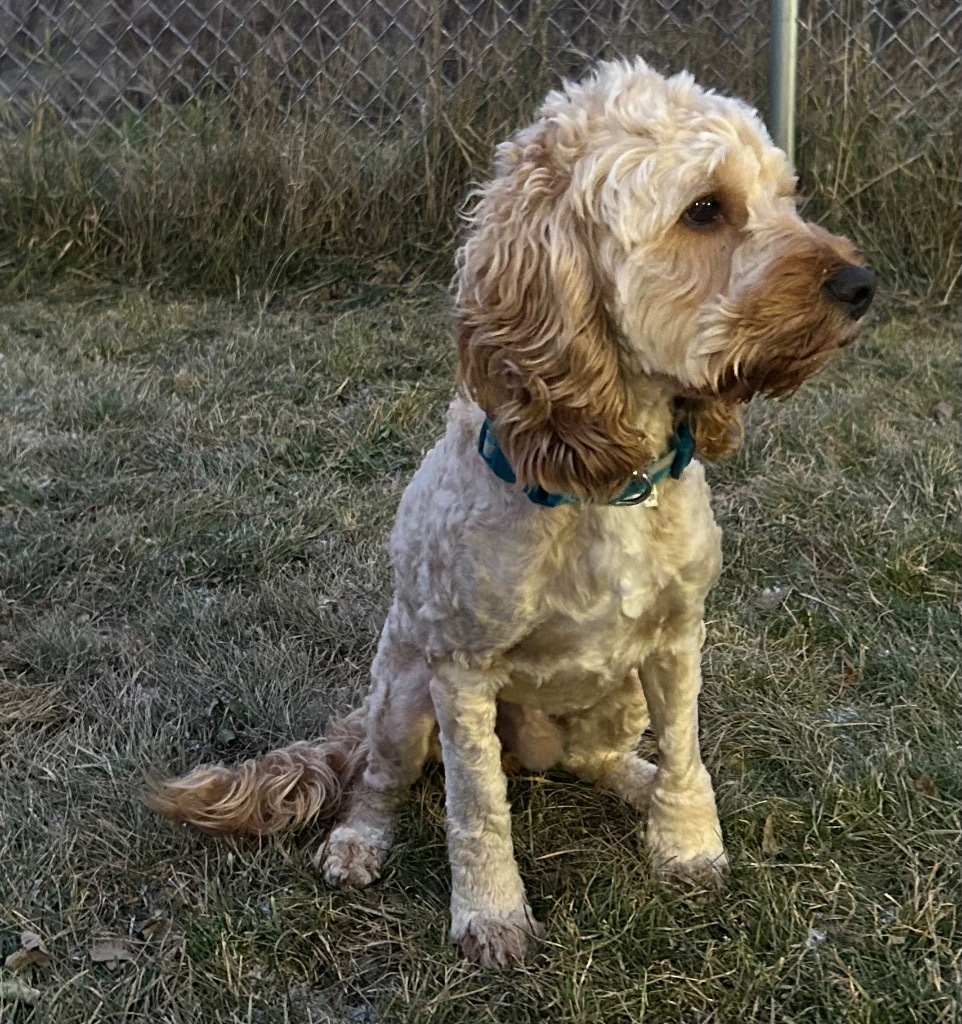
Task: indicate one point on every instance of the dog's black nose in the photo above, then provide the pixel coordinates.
(853, 288)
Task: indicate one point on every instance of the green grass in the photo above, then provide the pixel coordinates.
(194, 500)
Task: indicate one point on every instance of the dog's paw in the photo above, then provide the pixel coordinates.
(349, 858)
(684, 837)
(709, 869)
(632, 779)
(493, 939)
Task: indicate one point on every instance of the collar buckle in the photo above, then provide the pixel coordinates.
(638, 491)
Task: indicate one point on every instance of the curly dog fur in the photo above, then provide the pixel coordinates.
(636, 260)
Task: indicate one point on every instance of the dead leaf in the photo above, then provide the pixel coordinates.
(32, 953)
(924, 784)
(15, 991)
(769, 842)
(942, 412)
(185, 382)
(849, 672)
(154, 928)
(111, 952)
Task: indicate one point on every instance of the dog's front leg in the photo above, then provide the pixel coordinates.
(490, 917)
(684, 834)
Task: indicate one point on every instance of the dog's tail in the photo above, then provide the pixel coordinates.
(281, 790)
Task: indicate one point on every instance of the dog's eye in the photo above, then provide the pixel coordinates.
(703, 212)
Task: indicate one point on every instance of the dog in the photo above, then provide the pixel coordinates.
(633, 274)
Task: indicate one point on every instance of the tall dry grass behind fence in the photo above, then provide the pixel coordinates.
(259, 145)
(880, 138)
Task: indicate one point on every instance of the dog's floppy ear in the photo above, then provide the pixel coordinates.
(536, 349)
(717, 427)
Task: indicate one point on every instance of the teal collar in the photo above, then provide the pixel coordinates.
(639, 488)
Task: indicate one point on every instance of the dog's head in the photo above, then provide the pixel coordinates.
(641, 228)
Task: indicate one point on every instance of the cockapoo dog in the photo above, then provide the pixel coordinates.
(634, 273)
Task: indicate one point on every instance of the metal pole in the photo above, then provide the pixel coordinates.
(782, 59)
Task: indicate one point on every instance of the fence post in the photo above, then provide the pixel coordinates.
(782, 59)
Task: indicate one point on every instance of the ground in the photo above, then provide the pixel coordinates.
(195, 498)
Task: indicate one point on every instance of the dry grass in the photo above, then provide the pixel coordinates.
(195, 498)
(878, 172)
(248, 192)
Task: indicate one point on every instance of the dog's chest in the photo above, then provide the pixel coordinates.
(610, 597)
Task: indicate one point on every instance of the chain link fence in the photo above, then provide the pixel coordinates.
(378, 73)
(97, 62)
(378, 62)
